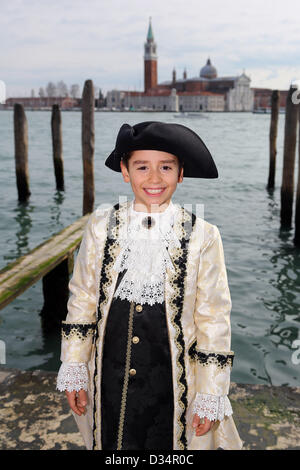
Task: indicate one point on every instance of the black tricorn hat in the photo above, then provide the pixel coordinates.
(172, 138)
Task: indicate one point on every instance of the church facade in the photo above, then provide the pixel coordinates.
(207, 92)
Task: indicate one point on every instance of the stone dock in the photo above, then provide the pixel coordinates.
(35, 416)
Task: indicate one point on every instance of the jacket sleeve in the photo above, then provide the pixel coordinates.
(79, 327)
(211, 349)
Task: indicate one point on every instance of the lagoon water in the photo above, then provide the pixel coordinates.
(263, 265)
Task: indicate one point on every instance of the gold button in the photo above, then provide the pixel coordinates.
(139, 308)
(132, 372)
(135, 339)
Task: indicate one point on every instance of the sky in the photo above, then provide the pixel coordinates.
(103, 40)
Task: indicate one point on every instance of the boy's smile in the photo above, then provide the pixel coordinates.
(153, 176)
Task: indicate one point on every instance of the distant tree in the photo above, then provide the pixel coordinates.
(62, 89)
(101, 99)
(74, 90)
(32, 93)
(101, 96)
(51, 89)
(41, 92)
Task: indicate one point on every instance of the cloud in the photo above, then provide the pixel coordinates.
(103, 40)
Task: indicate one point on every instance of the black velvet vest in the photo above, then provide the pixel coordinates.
(147, 400)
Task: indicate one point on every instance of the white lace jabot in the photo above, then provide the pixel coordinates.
(144, 254)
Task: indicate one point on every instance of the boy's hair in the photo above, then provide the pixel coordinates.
(126, 157)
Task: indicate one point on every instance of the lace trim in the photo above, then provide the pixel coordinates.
(72, 376)
(136, 291)
(205, 357)
(212, 407)
(80, 330)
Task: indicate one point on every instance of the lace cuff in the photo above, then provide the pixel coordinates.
(72, 376)
(212, 407)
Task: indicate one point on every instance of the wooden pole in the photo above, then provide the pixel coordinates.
(273, 137)
(297, 212)
(56, 128)
(290, 137)
(56, 294)
(88, 143)
(21, 152)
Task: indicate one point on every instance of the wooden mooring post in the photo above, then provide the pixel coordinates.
(297, 210)
(56, 128)
(290, 137)
(88, 145)
(273, 137)
(56, 294)
(21, 152)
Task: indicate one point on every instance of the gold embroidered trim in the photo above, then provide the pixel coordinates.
(177, 253)
(105, 282)
(110, 249)
(126, 378)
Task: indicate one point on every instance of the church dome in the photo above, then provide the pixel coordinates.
(208, 71)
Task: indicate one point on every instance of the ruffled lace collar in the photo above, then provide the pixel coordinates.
(144, 255)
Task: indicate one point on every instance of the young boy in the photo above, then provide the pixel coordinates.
(146, 354)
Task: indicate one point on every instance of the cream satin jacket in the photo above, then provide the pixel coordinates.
(198, 306)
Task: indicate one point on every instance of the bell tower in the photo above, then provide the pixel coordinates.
(150, 60)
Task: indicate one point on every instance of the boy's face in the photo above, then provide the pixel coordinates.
(150, 170)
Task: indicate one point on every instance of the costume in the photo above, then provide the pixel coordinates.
(122, 310)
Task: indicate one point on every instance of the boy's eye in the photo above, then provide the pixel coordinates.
(164, 167)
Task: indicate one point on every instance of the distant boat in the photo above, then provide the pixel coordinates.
(267, 111)
(262, 111)
(186, 114)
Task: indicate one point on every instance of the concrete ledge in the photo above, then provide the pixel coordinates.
(35, 416)
(267, 417)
